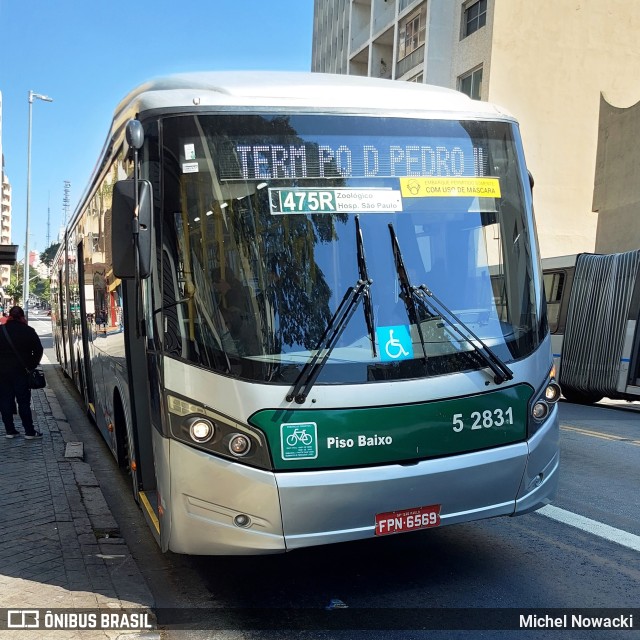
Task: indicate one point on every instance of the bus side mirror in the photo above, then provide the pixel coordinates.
(122, 223)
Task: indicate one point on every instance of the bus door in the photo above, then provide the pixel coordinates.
(135, 346)
(84, 366)
(62, 319)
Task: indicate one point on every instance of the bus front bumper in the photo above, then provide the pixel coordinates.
(294, 510)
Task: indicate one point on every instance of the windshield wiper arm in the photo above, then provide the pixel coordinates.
(312, 368)
(363, 273)
(500, 369)
(406, 290)
(361, 291)
(427, 299)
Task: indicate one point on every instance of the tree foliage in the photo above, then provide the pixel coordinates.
(49, 254)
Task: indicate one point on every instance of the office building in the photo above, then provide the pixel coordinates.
(546, 61)
(5, 217)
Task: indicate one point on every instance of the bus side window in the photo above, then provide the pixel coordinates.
(553, 287)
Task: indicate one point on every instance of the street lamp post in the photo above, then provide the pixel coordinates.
(25, 293)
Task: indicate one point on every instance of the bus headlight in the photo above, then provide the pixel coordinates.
(201, 430)
(239, 445)
(552, 392)
(540, 410)
(543, 402)
(220, 435)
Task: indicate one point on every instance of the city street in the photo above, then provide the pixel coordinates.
(345, 289)
(582, 552)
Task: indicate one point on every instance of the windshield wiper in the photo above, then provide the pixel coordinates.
(330, 337)
(338, 323)
(501, 371)
(427, 299)
(406, 290)
(367, 303)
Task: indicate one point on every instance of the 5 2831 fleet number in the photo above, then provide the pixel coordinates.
(482, 419)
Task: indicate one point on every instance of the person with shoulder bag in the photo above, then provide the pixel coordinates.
(20, 354)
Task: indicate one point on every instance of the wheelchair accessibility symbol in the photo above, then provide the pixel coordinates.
(395, 343)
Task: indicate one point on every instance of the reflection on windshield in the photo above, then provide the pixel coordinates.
(421, 296)
(259, 219)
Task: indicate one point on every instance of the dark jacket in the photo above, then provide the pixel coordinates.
(27, 344)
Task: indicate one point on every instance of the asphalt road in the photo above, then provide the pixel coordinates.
(584, 552)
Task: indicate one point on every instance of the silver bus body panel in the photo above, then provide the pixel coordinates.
(208, 492)
(299, 90)
(334, 506)
(540, 480)
(162, 457)
(292, 510)
(240, 400)
(296, 510)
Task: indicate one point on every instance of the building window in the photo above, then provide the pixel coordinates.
(475, 17)
(419, 78)
(471, 84)
(554, 288)
(412, 33)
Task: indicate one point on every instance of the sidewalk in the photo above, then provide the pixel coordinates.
(59, 543)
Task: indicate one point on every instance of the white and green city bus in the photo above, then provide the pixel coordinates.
(306, 309)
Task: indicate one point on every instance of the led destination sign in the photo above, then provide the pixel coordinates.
(355, 160)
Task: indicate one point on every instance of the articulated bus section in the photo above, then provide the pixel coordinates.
(593, 306)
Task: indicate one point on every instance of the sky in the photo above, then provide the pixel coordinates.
(87, 55)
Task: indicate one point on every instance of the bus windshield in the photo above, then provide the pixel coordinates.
(268, 221)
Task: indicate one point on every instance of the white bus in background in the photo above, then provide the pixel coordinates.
(593, 307)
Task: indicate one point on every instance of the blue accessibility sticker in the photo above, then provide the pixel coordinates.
(395, 343)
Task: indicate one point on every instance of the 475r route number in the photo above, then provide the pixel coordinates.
(482, 419)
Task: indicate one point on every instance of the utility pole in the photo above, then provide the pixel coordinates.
(25, 294)
(48, 221)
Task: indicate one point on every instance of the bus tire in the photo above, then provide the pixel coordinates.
(579, 397)
(123, 445)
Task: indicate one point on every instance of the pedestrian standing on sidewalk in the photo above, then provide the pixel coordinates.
(14, 382)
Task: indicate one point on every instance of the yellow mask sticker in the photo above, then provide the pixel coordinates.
(450, 187)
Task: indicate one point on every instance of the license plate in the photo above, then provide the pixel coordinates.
(407, 520)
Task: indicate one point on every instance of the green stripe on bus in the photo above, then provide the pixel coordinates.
(329, 438)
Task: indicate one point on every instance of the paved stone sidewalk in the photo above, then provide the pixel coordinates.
(59, 543)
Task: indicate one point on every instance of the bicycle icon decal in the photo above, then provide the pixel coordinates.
(395, 343)
(299, 435)
(299, 440)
